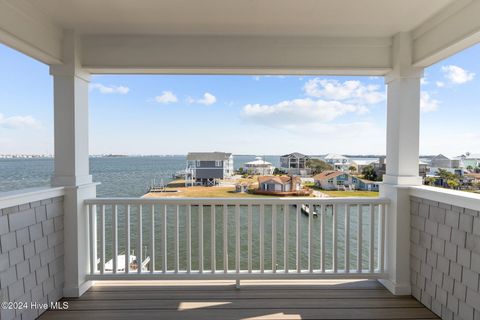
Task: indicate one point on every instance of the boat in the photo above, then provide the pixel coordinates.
(133, 263)
(306, 210)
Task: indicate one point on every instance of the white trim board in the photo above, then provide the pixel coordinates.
(457, 198)
(15, 198)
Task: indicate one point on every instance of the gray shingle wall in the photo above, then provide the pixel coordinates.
(31, 256)
(445, 258)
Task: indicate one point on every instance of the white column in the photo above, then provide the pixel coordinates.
(403, 118)
(72, 162)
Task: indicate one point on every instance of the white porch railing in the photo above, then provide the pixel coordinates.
(247, 238)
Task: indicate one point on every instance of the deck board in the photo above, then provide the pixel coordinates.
(254, 300)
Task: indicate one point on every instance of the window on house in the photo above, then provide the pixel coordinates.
(339, 182)
(330, 180)
(218, 163)
(198, 163)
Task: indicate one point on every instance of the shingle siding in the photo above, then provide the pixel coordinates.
(31, 255)
(445, 258)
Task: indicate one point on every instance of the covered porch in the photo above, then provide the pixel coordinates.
(416, 240)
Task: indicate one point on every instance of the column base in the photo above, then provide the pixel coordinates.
(403, 289)
(75, 292)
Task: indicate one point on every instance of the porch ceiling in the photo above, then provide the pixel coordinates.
(347, 37)
(325, 18)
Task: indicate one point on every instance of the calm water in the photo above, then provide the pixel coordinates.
(131, 177)
(119, 177)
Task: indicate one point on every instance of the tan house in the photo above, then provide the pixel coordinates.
(338, 180)
(279, 183)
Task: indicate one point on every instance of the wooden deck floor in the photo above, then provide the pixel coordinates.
(254, 300)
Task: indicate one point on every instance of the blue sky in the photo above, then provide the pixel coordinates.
(146, 114)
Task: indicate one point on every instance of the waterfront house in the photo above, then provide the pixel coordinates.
(339, 180)
(208, 168)
(470, 160)
(339, 162)
(361, 164)
(441, 161)
(279, 184)
(425, 241)
(380, 167)
(294, 163)
(259, 166)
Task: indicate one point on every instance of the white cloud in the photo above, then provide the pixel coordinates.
(427, 103)
(290, 114)
(166, 97)
(456, 74)
(352, 91)
(19, 122)
(109, 89)
(440, 84)
(208, 99)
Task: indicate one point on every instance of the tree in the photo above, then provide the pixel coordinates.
(451, 180)
(318, 165)
(430, 181)
(369, 173)
(352, 169)
(278, 171)
(470, 168)
(240, 171)
(446, 175)
(453, 183)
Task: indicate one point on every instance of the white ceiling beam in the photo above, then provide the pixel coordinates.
(23, 28)
(235, 55)
(453, 29)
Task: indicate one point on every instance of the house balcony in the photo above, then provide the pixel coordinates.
(414, 252)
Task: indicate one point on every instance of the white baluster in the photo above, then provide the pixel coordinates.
(200, 238)
(213, 262)
(164, 238)
(274, 238)
(188, 230)
(262, 238)
(347, 238)
(359, 238)
(372, 239)
(93, 237)
(322, 237)
(115, 237)
(152, 240)
(311, 209)
(176, 241)
(127, 239)
(299, 237)
(102, 240)
(139, 241)
(237, 238)
(225, 238)
(250, 235)
(286, 223)
(334, 236)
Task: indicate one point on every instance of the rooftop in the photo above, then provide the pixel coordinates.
(208, 156)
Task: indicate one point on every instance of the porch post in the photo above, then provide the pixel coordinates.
(403, 118)
(72, 162)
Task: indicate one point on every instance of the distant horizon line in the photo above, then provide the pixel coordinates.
(113, 155)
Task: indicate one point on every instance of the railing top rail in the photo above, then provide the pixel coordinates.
(236, 201)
